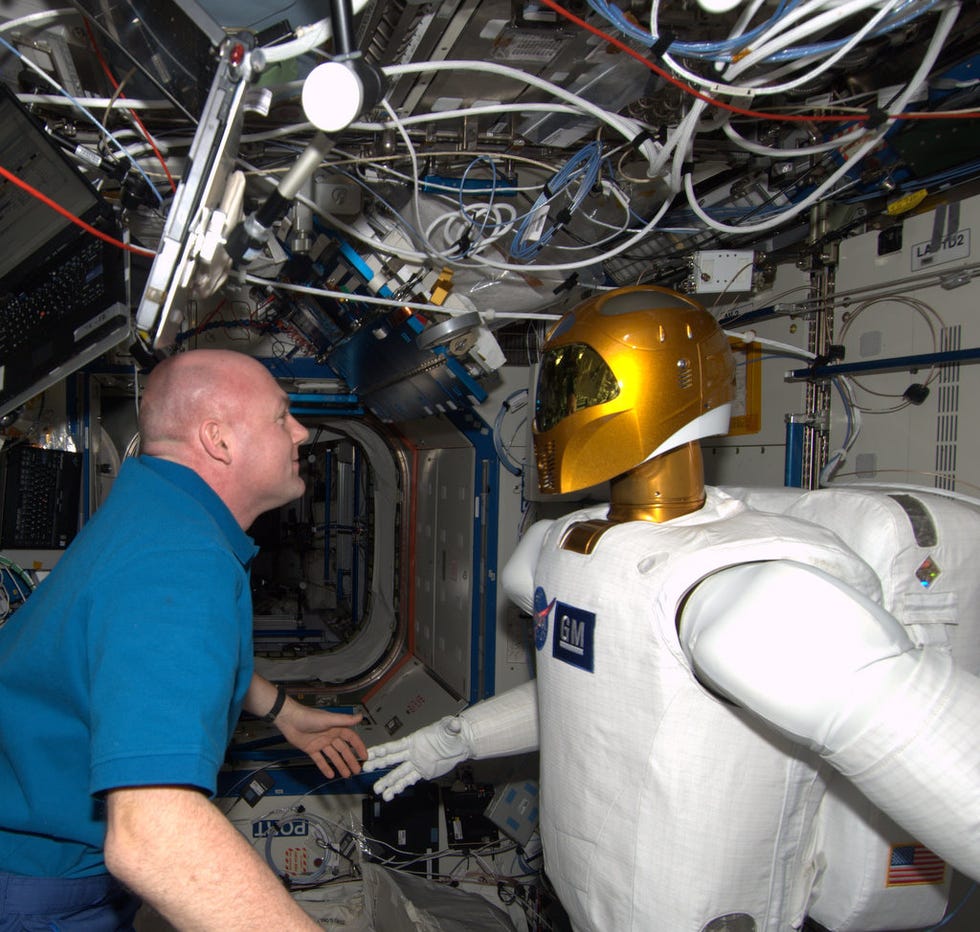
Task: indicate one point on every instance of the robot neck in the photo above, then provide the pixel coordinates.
(665, 487)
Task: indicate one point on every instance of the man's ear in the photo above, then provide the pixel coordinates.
(213, 442)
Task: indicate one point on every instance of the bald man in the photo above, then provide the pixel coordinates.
(124, 674)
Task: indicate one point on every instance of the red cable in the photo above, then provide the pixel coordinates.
(133, 113)
(10, 176)
(785, 118)
(200, 327)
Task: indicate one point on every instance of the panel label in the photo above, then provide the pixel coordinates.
(951, 247)
(294, 828)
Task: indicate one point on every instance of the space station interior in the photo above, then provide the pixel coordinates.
(390, 204)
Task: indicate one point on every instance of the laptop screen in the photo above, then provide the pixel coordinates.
(26, 224)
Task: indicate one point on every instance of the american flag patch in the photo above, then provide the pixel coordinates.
(914, 864)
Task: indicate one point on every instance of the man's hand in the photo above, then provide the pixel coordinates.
(424, 754)
(328, 738)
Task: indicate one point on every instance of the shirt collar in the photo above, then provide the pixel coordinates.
(190, 482)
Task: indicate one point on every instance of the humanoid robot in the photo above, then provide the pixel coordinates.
(742, 722)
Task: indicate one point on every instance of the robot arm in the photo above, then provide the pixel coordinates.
(517, 578)
(832, 669)
(505, 724)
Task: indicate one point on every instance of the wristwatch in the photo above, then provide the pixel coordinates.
(270, 716)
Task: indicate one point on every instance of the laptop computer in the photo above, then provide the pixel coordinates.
(62, 290)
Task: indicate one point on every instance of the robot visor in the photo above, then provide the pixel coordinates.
(572, 377)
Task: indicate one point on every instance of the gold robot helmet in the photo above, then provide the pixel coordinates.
(626, 376)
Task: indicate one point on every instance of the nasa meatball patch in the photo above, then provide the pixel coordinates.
(574, 637)
(542, 608)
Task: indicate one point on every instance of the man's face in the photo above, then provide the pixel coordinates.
(269, 443)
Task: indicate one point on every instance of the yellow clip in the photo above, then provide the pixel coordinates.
(908, 202)
(440, 290)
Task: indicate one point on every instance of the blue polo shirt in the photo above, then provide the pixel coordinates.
(127, 666)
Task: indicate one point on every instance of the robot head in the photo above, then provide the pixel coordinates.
(624, 377)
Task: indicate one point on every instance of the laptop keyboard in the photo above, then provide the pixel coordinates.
(74, 285)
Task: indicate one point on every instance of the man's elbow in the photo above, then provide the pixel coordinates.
(139, 827)
(124, 852)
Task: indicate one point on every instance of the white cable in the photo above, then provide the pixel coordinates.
(307, 38)
(478, 262)
(617, 231)
(836, 459)
(585, 263)
(487, 314)
(752, 90)
(929, 315)
(686, 129)
(787, 349)
(425, 118)
(626, 127)
(415, 163)
(761, 51)
(457, 224)
(121, 103)
(32, 19)
(746, 17)
(681, 147)
(29, 63)
(757, 149)
(873, 137)
(777, 44)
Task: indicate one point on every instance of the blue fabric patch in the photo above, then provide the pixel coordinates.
(574, 640)
(542, 608)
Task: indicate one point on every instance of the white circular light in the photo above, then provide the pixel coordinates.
(718, 6)
(332, 96)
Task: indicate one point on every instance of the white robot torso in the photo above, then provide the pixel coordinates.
(664, 807)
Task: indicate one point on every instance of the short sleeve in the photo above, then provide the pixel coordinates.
(164, 663)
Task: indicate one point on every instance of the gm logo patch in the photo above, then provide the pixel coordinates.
(574, 638)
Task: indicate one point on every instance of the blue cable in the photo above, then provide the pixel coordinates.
(498, 445)
(724, 50)
(584, 166)
(90, 117)
(708, 50)
(889, 25)
(493, 191)
(959, 906)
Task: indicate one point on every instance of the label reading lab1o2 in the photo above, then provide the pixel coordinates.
(950, 248)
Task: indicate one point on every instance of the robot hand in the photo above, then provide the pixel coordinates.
(423, 755)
